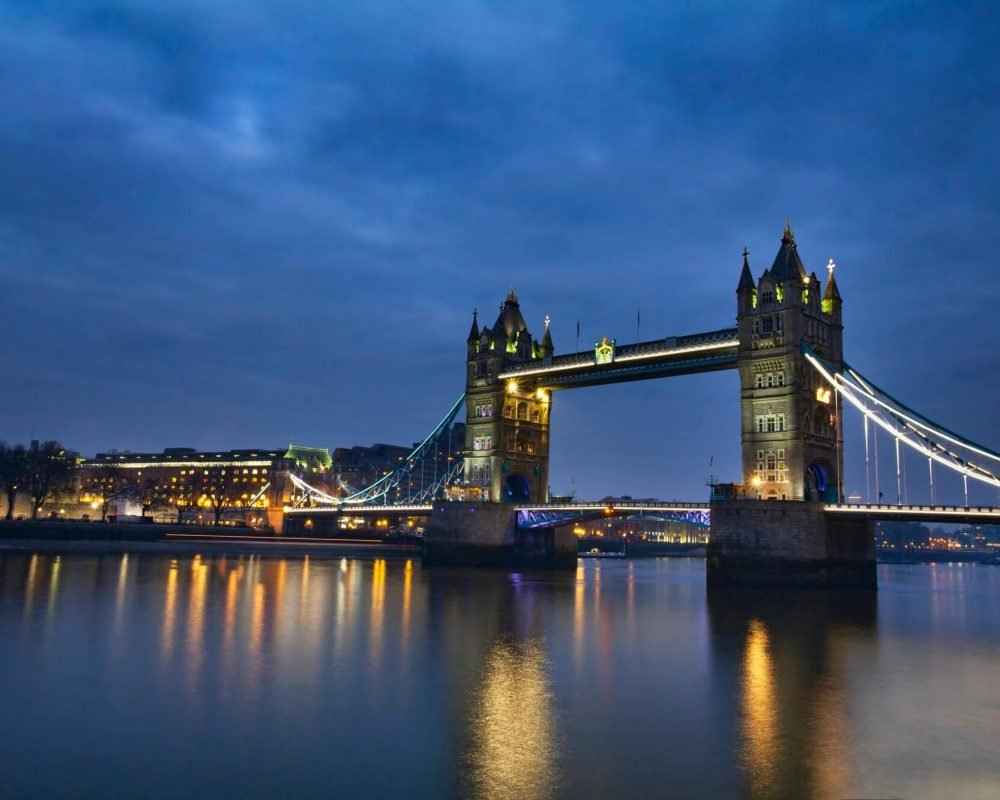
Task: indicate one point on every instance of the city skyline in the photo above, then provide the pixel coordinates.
(223, 229)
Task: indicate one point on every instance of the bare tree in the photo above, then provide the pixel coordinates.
(224, 494)
(13, 472)
(114, 484)
(12, 464)
(49, 471)
(146, 493)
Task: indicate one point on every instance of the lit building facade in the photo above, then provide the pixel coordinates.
(182, 482)
(791, 441)
(507, 425)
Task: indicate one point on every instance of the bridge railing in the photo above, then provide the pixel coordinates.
(891, 508)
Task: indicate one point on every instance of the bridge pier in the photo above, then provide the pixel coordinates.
(486, 534)
(788, 542)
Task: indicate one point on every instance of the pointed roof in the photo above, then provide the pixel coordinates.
(787, 264)
(510, 322)
(746, 277)
(547, 338)
(831, 293)
(474, 330)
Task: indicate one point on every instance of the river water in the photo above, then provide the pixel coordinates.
(151, 676)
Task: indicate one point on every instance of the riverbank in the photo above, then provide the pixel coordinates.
(102, 538)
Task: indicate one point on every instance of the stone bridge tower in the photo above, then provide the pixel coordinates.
(507, 423)
(792, 441)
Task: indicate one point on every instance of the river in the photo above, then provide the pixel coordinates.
(152, 676)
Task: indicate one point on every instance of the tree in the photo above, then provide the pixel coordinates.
(224, 494)
(13, 472)
(113, 483)
(49, 471)
(146, 493)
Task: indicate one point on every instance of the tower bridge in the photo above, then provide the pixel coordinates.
(787, 348)
(791, 440)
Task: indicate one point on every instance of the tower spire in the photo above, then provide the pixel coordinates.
(787, 236)
(746, 277)
(474, 330)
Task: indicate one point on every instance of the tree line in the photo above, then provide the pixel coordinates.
(43, 471)
(39, 471)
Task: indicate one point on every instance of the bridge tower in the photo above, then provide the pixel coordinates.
(507, 424)
(792, 441)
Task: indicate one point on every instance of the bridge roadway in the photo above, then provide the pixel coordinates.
(675, 355)
(976, 515)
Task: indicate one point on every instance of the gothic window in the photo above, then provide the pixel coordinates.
(767, 296)
(766, 324)
(758, 381)
(508, 410)
(535, 416)
(777, 323)
(522, 411)
(531, 447)
(780, 379)
(770, 424)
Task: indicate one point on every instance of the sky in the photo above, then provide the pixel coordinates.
(244, 224)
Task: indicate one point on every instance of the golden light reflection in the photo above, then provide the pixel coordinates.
(31, 588)
(120, 593)
(256, 634)
(579, 628)
(829, 734)
(304, 589)
(407, 590)
(377, 611)
(53, 590)
(760, 713)
(514, 734)
(229, 627)
(196, 620)
(169, 610)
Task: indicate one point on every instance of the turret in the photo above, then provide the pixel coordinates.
(473, 340)
(831, 297)
(746, 292)
(546, 349)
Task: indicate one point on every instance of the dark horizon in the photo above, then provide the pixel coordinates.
(223, 228)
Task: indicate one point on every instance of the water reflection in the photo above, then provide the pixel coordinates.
(169, 610)
(791, 738)
(386, 679)
(513, 753)
(760, 712)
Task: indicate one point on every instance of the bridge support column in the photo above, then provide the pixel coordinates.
(788, 542)
(486, 534)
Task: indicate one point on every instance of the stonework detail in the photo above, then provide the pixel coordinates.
(791, 440)
(507, 422)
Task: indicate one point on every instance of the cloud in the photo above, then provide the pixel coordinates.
(239, 223)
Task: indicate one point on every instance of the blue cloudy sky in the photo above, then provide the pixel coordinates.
(247, 223)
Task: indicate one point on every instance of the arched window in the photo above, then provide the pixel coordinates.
(522, 411)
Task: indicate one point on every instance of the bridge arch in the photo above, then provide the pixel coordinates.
(821, 481)
(516, 489)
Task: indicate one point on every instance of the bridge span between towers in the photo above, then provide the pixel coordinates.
(784, 514)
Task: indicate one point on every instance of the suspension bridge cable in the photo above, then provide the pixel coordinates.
(931, 449)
